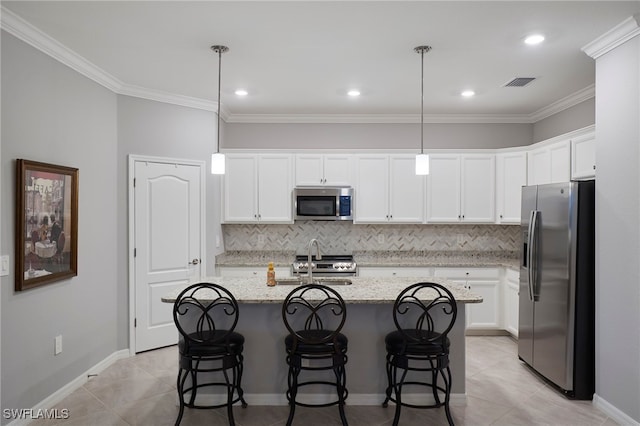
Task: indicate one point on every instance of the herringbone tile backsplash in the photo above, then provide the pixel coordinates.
(344, 238)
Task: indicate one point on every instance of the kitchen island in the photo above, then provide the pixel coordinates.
(369, 319)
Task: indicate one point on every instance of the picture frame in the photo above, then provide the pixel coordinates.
(46, 223)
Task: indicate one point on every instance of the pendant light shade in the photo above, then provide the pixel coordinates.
(217, 158)
(217, 164)
(422, 164)
(422, 159)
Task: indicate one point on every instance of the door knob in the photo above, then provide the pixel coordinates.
(194, 262)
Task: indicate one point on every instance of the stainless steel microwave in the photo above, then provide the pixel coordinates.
(323, 203)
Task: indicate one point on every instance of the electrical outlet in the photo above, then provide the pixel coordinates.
(217, 240)
(4, 266)
(58, 345)
(381, 239)
(260, 239)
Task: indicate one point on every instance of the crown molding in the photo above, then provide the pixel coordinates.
(21, 29)
(171, 98)
(613, 38)
(564, 103)
(31, 35)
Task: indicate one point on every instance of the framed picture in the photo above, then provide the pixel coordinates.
(46, 223)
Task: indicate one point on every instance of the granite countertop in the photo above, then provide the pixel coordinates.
(411, 258)
(363, 290)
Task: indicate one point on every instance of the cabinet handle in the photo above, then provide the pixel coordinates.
(255, 273)
(594, 167)
(458, 216)
(500, 216)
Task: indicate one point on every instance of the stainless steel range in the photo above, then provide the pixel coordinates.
(327, 266)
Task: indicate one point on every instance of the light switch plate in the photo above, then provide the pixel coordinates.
(4, 265)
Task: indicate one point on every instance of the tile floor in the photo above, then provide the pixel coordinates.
(500, 391)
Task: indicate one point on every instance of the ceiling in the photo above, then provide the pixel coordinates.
(297, 59)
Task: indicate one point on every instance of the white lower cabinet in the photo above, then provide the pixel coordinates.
(511, 301)
(486, 283)
(251, 271)
(389, 271)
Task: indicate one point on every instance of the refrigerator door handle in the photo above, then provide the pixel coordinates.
(530, 266)
(533, 283)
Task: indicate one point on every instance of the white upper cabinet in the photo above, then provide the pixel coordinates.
(549, 163)
(461, 188)
(583, 156)
(388, 190)
(443, 188)
(511, 176)
(323, 169)
(257, 188)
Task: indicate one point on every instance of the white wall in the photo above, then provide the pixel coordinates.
(162, 130)
(53, 114)
(374, 136)
(618, 228)
(573, 118)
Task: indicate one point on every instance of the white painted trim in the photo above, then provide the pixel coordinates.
(26, 32)
(56, 397)
(563, 137)
(564, 103)
(613, 412)
(131, 230)
(613, 38)
(368, 399)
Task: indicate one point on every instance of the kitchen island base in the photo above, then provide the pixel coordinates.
(264, 379)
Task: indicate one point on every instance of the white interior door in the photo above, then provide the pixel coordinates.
(168, 244)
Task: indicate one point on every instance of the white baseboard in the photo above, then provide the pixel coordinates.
(70, 387)
(613, 412)
(457, 399)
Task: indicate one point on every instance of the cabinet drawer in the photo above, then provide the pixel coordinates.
(467, 273)
(385, 271)
(246, 272)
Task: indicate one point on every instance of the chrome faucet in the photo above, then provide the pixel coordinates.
(318, 257)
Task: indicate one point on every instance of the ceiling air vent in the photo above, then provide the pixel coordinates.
(519, 82)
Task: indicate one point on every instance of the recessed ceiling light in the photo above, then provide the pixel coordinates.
(534, 39)
(353, 93)
(241, 92)
(468, 93)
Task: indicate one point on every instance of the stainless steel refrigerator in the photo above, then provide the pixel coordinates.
(557, 280)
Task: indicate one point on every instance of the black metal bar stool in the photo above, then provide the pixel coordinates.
(206, 315)
(423, 313)
(314, 315)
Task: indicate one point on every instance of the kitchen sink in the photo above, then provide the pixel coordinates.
(321, 281)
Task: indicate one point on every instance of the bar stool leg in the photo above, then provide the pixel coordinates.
(293, 390)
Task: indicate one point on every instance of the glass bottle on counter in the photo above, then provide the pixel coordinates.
(271, 275)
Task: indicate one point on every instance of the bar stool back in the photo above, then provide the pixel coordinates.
(206, 315)
(423, 313)
(314, 315)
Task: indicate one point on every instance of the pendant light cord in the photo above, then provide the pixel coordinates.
(422, 102)
(219, 82)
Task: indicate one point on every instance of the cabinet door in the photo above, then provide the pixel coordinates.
(511, 305)
(511, 177)
(485, 315)
(478, 188)
(443, 189)
(274, 188)
(539, 167)
(583, 157)
(309, 170)
(240, 188)
(560, 158)
(372, 188)
(338, 169)
(406, 190)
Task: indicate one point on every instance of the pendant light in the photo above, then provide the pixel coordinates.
(217, 158)
(422, 159)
